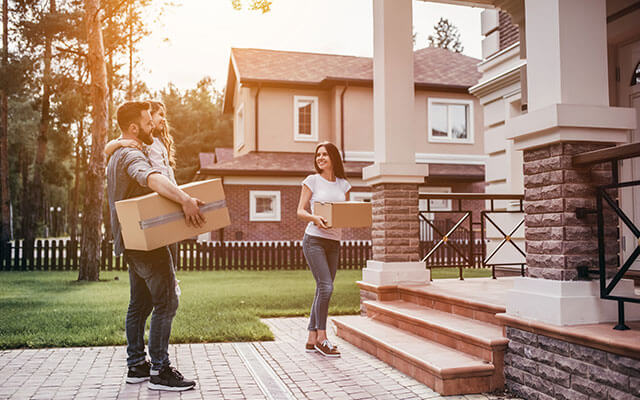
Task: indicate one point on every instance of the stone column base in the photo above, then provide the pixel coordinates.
(392, 273)
(567, 302)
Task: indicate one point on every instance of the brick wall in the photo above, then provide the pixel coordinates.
(509, 33)
(556, 240)
(542, 367)
(288, 228)
(395, 231)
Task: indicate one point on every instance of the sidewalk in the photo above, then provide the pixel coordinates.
(258, 370)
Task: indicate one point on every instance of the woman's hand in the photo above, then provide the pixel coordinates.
(320, 222)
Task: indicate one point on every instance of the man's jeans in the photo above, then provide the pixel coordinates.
(322, 256)
(152, 283)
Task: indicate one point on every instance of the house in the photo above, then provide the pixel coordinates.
(284, 103)
(561, 116)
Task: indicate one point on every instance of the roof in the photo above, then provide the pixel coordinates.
(433, 68)
(301, 164)
(223, 154)
(273, 164)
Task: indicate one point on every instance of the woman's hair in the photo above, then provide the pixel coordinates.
(162, 132)
(334, 156)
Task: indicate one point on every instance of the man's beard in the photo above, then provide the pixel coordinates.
(145, 137)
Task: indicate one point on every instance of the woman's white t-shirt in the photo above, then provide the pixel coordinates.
(159, 157)
(324, 190)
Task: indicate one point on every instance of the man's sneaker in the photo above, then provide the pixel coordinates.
(170, 379)
(327, 349)
(139, 373)
(310, 348)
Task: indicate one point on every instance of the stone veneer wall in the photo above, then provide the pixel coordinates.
(541, 367)
(557, 241)
(396, 230)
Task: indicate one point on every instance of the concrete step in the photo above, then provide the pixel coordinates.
(445, 370)
(469, 305)
(476, 338)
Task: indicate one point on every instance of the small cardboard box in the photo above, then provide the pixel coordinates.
(152, 221)
(344, 214)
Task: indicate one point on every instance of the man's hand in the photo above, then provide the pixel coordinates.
(192, 214)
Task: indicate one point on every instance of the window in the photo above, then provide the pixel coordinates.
(305, 118)
(264, 205)
(239, 128)
(450, 120)
(635, 77)
(360, 196)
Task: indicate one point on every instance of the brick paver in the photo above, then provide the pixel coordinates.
(261, 370)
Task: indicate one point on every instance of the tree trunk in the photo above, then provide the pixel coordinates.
(25, 222)
(73, 214)
(5, 194)
(36, 191)
(92, 218)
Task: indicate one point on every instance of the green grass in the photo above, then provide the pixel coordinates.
(52, 309)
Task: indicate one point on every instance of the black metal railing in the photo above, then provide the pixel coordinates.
(464, 236)
(612, 155)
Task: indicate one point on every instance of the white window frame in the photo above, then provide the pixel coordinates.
(360, 196)
(314, 119)
(253, 215)
(449, 139)
(239, 127)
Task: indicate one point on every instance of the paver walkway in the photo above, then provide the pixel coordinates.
(257, 370)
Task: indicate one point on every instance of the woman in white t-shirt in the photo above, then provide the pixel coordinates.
(321, 245)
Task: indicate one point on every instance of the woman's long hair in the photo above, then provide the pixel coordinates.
(334, 156)
(162, 132)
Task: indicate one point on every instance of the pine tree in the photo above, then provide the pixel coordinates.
(447, 36)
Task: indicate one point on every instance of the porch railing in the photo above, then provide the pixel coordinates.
(612, 155)
(460, 240)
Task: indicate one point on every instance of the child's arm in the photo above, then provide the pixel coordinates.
(115, 144)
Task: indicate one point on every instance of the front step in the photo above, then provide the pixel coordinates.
(476, 338)
(445, 370)
(467, 306)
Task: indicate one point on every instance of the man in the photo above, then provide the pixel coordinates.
(151, 273)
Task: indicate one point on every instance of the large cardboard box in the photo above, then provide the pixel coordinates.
(152, 221)
(344, 214)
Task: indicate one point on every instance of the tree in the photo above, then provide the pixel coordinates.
(5, 194)
(256, 5)
(91, 240)
(447, 36)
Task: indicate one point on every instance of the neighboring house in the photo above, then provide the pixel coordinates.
(285, 103)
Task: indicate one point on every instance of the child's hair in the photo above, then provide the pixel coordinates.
(163, 134)
(334, 156)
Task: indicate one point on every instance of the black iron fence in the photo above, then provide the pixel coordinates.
(64, 255)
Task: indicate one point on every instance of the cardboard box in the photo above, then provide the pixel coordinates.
(152, 221)
(344, 214)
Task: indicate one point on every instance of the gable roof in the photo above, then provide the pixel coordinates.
(434, 68)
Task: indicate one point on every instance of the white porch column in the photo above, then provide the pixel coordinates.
(569, 113)
(394, 175)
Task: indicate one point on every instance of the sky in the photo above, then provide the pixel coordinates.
(194, 39)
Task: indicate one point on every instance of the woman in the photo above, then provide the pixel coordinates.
(321, 244)
(161, 154)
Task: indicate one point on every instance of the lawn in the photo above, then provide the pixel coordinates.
(51, 309)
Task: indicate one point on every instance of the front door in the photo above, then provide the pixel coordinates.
(629, 96)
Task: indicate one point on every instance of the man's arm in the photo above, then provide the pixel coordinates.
(139, 168)
(190, 205)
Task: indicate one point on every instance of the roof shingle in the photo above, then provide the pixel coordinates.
(432, 66)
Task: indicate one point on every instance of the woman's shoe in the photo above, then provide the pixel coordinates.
(327, 349)
(310, 348)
